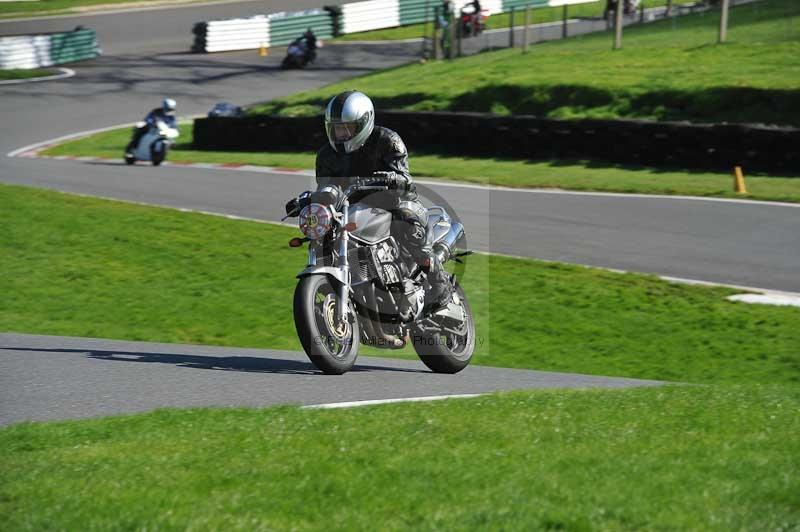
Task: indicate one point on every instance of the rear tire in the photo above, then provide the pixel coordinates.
(447, 353)
(331, 347)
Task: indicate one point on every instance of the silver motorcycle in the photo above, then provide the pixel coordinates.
(360, 285)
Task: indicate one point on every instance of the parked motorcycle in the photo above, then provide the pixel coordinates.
(153, 145)
(360, 287)
(299, 54)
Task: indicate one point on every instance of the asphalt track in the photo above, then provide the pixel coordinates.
(52, 377)
(740, 243)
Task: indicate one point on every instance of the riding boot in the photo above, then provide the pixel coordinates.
(441, 288)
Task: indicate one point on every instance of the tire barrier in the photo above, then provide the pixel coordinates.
(36, 51)
(261, 30)
(353, 17)
(754, 147)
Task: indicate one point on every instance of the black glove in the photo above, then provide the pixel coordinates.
(390, 180)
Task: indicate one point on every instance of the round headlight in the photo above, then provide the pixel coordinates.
(315, 220)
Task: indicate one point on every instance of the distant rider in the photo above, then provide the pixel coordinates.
(358, 148)
(311, 43)
(165, 113)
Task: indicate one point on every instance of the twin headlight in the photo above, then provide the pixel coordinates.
(315, 220)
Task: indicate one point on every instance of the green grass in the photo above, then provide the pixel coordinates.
(88, 267)
(674, 458)
(573, 175)
(496, 21)
(61, 7)
(661, 74)
(25, 73)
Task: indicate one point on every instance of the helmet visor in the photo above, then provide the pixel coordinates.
(340, 132)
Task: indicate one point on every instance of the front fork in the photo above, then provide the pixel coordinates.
(343, 288)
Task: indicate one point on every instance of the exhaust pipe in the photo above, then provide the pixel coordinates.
(444, 247)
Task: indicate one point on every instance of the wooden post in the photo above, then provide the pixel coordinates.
(564, 22)
(511, 29)
(527, 24)
(668, 12)
(723, 21)
(618, 25)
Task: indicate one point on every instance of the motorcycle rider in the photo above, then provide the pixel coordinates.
(311, 42)
(358, 148)
(473, 9)
(165, 113)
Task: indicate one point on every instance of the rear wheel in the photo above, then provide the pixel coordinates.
(443, 345)
(330, 344)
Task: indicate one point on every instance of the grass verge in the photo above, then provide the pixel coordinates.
(88, 267)
(572, 175)
(674, 458)
(663, 73)
(25, 73)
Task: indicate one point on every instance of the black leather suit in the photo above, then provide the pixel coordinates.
(384, 152)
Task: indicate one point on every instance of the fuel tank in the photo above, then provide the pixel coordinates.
(372, 224)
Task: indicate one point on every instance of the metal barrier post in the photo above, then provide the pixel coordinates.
(618, 25)
(527, 24)
(511, 29)
(436, 30)
(459, 32)
(564, 23)
(425, 31)
(452, 36)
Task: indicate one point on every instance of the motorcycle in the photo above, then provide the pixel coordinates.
(153, 145)
(473, 23)
(360, 286)
(299, 54)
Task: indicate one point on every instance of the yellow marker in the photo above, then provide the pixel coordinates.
(738, 181)
(263, 51)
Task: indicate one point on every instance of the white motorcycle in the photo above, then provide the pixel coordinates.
(153, 145)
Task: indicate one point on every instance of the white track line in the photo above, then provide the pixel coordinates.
(65, 73)
(351, 404)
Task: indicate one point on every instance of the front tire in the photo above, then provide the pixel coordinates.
(129, 160)
(444, 351)
(331, 346)
(158, 154)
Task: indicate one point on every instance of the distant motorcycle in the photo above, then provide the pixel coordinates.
(154, 144)
(359, 287)
(299, 54)
(473, 23)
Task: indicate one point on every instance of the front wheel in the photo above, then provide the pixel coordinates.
(444, 345)
(158, 153)
(330, 344)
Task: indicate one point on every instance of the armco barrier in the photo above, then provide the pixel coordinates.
(679, 144)
(35, 51)
(262, 30)
(286, 27)
(370, 15)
